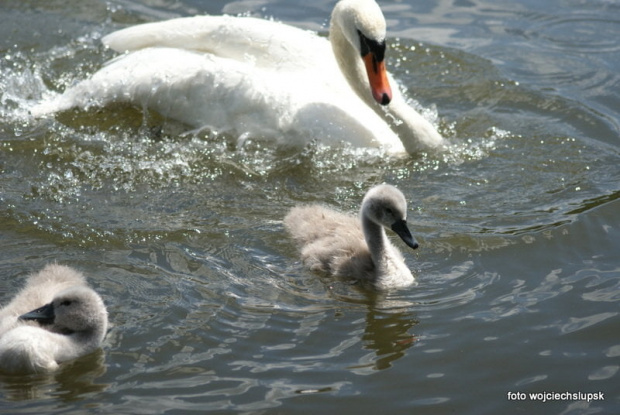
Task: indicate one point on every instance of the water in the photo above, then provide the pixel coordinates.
(518, 270)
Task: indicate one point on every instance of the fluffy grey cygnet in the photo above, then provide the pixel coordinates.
(346, 246)
(56, 317)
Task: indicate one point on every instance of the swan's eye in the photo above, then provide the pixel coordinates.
(66, 303)
(389, 211)
(371, 46)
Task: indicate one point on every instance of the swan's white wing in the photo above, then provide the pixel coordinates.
(263, 43)
(205, 91)
(197, 89)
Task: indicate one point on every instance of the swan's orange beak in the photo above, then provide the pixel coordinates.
(377, 77)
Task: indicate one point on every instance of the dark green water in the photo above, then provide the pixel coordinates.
(519, 224)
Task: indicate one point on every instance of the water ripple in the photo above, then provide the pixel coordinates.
(589, 33)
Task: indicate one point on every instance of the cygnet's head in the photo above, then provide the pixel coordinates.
(76, 310)
(386, 206)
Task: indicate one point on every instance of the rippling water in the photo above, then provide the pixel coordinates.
(181, 234)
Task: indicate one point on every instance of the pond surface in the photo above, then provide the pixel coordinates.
(518, 223)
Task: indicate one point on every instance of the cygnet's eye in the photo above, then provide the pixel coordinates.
(66, 303)
(389, 211)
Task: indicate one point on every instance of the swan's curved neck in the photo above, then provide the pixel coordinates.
(415, 132)
(350, 63)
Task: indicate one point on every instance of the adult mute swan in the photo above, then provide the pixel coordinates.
(260, 78)
(56, 317)
(357, 248)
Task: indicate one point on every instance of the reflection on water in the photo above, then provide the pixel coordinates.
(211, 310)
(388, 336)
(71, 382)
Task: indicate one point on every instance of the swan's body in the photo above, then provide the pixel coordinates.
(261, 78)
(56, 317)
(356, 247)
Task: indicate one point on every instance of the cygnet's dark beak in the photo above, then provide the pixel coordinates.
(44, 315)
(400, 227)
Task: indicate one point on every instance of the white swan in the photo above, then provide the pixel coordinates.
(56, 317)
(261, 78)
(358, 248)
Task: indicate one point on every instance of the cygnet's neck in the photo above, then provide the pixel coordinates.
(73, 345)
(90, 338)
(390, 269)
(375, 237)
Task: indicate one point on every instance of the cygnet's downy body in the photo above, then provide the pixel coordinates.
(56, 317)
(356, 247)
